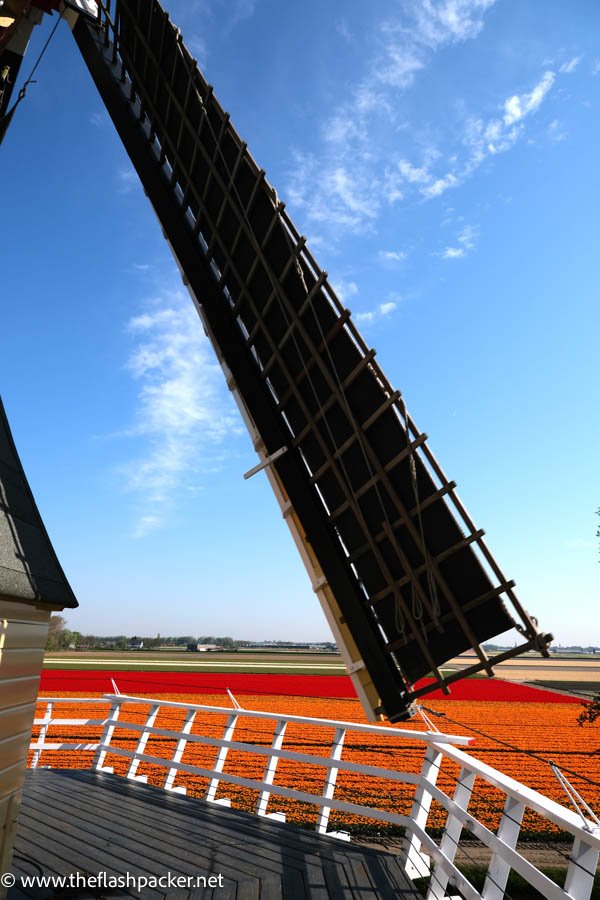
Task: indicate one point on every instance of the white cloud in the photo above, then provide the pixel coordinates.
(393, 256)
(570, 66)
(242, 9)
(450, 21)
(183, 411)
(345, 289)
(341, 26)
(99, 119)
(520, 105)
(413, 174)
(482, 139)
(146, 525)
(465, 240)
(426, 26)
(399, 66)
(382, 311)
(197, 44)
(337, 197)
(342, 187)
(556, 131)
(403, 175)
(128, 180)
(440, 185)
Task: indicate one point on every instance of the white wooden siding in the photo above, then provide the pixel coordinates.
(23, 635)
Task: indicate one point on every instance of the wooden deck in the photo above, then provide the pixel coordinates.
(78, 821)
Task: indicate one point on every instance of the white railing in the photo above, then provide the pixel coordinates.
(422, 856)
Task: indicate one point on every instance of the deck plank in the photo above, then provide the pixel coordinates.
(225, 836)
(277, 847)
(149, 852)
(85, 821)
(107, 819)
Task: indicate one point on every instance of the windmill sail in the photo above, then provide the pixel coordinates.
(404, 576)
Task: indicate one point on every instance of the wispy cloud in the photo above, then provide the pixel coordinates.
(345, 289)
(438, 186)
(183, 412)
(128, 180)
(342, 186)
(409, 41)
(556, 131)
(382, 311)
(338, 196)
(484, 138)
(99, 119)
(465, 242)
(571, 65)
(346, 184)
(401, 176)
(520, 105)
(197, 44)
(242, 9)
(341, 26)
(392, 256)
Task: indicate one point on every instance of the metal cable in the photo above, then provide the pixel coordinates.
(509, 745)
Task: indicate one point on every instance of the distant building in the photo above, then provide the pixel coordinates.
(135, 644)
(322, 646)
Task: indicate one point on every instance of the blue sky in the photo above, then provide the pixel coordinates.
(442, 160)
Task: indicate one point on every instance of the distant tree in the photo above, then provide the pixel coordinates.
(65, 639)
(55, 632)
(151, 643)
(590, 712)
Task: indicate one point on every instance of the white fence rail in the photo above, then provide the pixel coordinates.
(423, 854)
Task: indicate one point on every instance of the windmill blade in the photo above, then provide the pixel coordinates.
(404, 576)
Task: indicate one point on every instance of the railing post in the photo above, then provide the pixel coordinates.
(416, 863)
(177, 755)
(330, 779)
(42, 735)
(220, 763)
(98, 763)
(269, 776)
(582, 867)
(508, 832)
(452, 832)
(139, 750)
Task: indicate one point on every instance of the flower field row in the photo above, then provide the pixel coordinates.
(57, 681)
(549, 731)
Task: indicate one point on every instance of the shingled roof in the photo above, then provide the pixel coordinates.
(29, 568)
